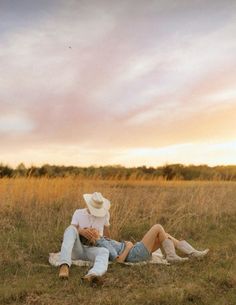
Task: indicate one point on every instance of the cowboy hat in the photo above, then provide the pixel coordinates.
(98, 205)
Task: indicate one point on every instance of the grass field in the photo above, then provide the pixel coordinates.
(35, 212)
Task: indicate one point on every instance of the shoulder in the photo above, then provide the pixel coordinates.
(78, 216)
(80, 212)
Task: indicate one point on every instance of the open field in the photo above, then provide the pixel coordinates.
(35, 212)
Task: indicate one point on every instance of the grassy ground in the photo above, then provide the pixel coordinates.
(35, 212)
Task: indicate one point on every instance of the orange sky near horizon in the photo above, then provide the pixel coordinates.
(131, 83)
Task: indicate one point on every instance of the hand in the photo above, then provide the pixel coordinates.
(129, 245)
(95, 237)
(89, 233)
(95, 233)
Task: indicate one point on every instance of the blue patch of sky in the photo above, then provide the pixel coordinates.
(23, 14)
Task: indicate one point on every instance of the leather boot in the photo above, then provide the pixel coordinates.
(64, 271)
(186, 248)
(171, 255)
(93, 279)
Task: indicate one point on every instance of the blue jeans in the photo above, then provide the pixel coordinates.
(73, 249)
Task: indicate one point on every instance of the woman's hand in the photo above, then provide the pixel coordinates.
(128, 244)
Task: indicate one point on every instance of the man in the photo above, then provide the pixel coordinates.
(95, 216)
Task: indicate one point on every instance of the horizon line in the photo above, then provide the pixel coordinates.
(117, 165)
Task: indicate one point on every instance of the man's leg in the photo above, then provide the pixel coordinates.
(100, 258)
(71, 248)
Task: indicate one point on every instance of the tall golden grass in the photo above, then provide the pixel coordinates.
(35, 212)
(48, 204)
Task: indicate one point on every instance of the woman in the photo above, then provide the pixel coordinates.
(155, 238)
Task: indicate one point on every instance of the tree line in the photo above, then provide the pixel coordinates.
(166, 172)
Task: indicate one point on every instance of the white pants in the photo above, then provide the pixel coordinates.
(72, 248)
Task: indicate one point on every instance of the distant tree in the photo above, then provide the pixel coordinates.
(21, 170)
(168, 172)
(6, 171)
(33, 171)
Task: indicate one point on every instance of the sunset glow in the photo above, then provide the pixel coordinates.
(118, 82)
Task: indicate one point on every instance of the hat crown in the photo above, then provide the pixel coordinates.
(97, 204)
(97, 200)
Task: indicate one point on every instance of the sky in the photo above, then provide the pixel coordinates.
(117, 82)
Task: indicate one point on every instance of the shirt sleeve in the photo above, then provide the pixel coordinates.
(107, 219)
(75, 218)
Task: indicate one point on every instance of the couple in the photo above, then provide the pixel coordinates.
(88, 238)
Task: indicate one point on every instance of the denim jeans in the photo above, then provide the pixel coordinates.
(72, 248)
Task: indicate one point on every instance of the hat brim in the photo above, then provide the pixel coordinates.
(97, 212)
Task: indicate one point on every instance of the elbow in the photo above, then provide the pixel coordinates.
(113, 258)
(119, 260)
(113, 255)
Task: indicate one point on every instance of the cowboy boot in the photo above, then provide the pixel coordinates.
(64, 271)
(171, 255)
(93, 279)
(186, 248)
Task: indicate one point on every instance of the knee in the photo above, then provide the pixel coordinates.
(158, 228)
(103, 251)
(168, 235)
(71, 229)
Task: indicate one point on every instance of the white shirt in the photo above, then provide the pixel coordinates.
(84, 219)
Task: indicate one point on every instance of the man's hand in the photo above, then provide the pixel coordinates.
(95, 234)
(89, 233)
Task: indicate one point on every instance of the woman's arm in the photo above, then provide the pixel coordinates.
(106, 232)
(128, 246)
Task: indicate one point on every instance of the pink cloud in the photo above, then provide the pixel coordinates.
(120, 76)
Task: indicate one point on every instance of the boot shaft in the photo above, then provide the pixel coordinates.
(171, 255)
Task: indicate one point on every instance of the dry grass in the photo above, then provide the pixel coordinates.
(35, 212)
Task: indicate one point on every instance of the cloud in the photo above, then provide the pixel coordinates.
(185, 153)
(225, 95)
(117, 76)
(15, 123)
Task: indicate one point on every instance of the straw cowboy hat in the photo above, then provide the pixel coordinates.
(98, 205)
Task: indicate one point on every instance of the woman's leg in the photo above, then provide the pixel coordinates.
(157, 245)
(186, 248)
(154, 237)
(175, 241)
(157, 236)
